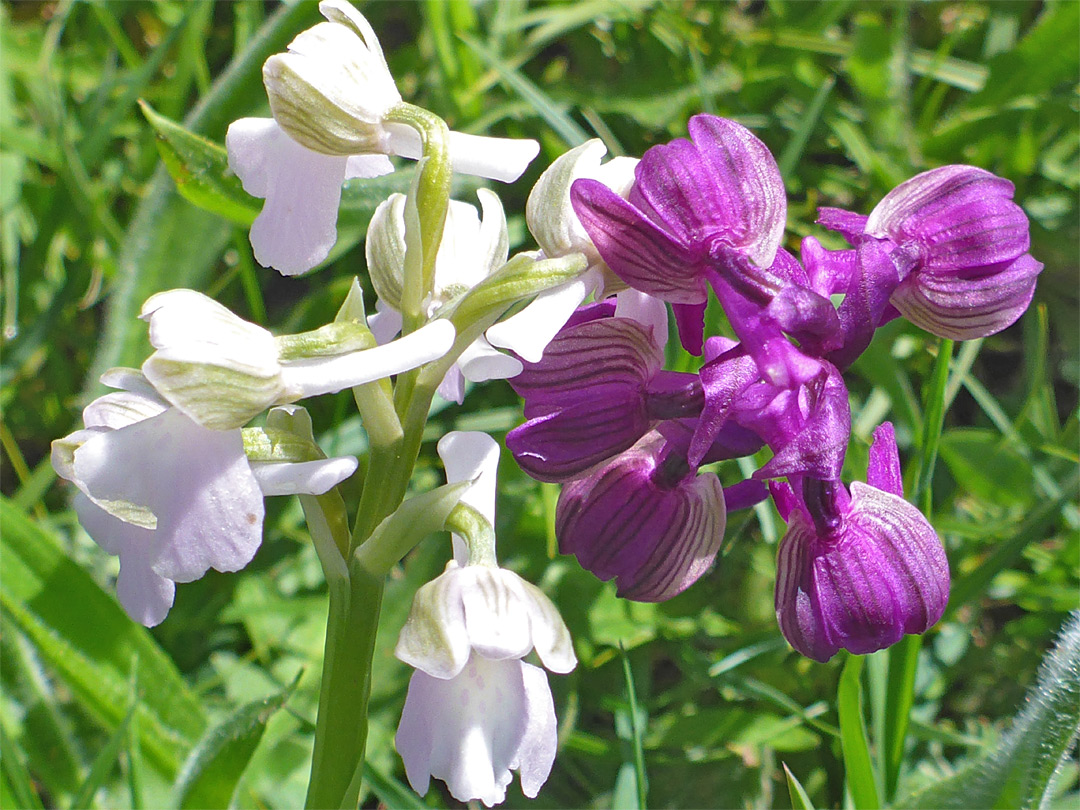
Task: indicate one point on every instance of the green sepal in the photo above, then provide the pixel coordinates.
(200, 169)
(340, 337)
(216, 397)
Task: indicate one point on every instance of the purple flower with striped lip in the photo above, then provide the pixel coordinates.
(857, 572)
(598, 389)
(950, 247)
(710, 211)
(645, 519)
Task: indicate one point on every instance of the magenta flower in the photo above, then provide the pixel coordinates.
(598, 389)
(857, 572)
(644, 518)
(957, 244)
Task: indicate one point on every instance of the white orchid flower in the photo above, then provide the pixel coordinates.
(475, 711)
(330, 95)
(471, 249)
(171, 498)
(557, 230)
(222, 371)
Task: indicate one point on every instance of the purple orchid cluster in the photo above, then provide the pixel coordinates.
(858, 566)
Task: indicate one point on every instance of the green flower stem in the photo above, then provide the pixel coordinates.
(356, 599)
(432, 202)
(478, 533)
(341, 729)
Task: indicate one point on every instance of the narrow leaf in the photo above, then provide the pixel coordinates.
(214, 766)
(103, 764)
(16, 780)
(200, 169)
(858, 769)
(1021, 769)
(799, 799)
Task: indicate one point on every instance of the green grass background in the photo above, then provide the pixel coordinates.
(852, 97)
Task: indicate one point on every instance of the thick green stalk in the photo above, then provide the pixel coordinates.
(341, 729)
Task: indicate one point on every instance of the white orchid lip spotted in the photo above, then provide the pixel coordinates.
(475, 711)
(222, 371)
(168, 496)
(330, 95)
(472, 248)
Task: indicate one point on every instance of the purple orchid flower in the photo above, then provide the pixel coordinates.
(948, 249)
(598, 389)
(710, 211)
(645, 519)
(857, 571)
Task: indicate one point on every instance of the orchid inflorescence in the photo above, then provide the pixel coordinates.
(171, 476)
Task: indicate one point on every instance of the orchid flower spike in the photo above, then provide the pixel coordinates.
(472, 248)
(170, 497)
(475, 710)
(556, 228)
(222, 371)
(857, 572)
(644, 518)
(332, 96)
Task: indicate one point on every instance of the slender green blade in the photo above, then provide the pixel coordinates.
(90, 644)
(799, 799)
(216, 763)
(17, 788)
(859, 771)
(104, 762)
(200, 169)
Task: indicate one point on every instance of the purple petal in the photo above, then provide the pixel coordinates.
(873, 280)
(655, 540)
(883, 470)
(846, 223)
(965, 308)
(638, 251)
(722, 380)
(690, 321)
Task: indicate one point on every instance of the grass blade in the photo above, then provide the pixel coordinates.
(103, 764)
(640, 777)
(859, 771)
(799, 799)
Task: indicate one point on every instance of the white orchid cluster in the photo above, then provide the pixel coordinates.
(171, 476)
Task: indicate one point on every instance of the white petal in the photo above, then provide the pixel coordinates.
(385, 323)
(452, 387)
(326, 375)
(472, 456)
(122, 408)
(62, 456)
(494, 236)
(529, 332)
(469, 731)
(297, 226)
(196, 481)
(459, 261)
(536, 753)
(481, 362)
(496, 618)
(548, 631)
(129, 379)
(366, 167)
(502, 159)
(302, 478)
(187, 319)
(646, 310)
(434, 638)
(145, 595)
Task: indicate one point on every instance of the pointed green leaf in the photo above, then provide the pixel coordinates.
(214, 766)
(91, 645)
(1021, 769)
(200, 169)
(799, 799)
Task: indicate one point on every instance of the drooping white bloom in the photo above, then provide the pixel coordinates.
(221, 371)
(557, 230)
(330, 95)
(471, 249)
(475, 711)
(171, 498)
